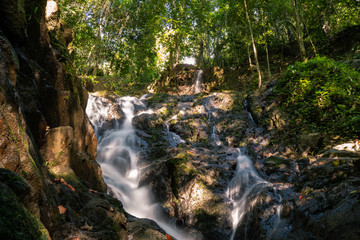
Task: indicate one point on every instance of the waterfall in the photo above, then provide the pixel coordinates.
(198, 82)
(243, 189)
(247, 108)
(244, 192)
(172, 138)
(118, 150)
(214, 133)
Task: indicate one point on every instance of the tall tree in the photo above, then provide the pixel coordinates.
(299, 32)
(253, 44)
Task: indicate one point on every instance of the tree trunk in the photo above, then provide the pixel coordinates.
(253, 44)
(299, 33)
(200, 57)
(249, 55)
(267, 58)
(171, 61)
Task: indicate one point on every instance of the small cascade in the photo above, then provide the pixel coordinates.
(118, 150)
(243, 190)
(214, 136)
(172, 138)
(99, 113)
(247, 108)
(198, 82)
(214, 133)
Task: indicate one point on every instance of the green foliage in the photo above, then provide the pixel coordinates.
(321, 95)
(136, 40)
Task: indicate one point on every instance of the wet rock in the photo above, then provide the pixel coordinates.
(144, 229)
(57, 150)
(90, 140)
(328, 204)
(14, 19)
(16, 222)
(277, 168)
(15, 183)
(87, 169)
(187, 98)
(10, 57)
(144, 121)
(105, 218)
(188, 194)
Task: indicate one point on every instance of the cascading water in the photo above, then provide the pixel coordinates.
(198, 82)
(247, 108)
(118, 156)
(172, 138)
(214, 133)
(243, 190)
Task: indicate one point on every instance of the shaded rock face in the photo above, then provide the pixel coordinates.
(40, 96)
(51, 185)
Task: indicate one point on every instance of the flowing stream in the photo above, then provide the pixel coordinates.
(198, 82)
(244, 192)
(118, 155)
(243, 189)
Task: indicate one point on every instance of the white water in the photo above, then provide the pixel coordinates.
(214, 133)
(118, 157)
(198, 82)
(245, 183)
(172, 138)
(246, 103)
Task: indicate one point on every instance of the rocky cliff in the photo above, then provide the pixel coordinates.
(51, 185)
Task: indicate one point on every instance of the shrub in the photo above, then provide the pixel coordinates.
(321, 95)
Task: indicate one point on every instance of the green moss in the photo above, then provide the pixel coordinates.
(238, 102)
(180, 170)
(16, 222)
(158, 98)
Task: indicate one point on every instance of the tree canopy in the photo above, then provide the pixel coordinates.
(138, 39)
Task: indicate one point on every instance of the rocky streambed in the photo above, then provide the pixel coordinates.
(51, 186)
(192, 155)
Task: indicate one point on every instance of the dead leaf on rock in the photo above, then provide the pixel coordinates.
(93, 191)
(62, 209)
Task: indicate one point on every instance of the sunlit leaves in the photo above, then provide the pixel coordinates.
(323, 95)
(138, 39)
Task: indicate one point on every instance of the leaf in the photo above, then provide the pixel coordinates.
(352, 192)
(62, 209)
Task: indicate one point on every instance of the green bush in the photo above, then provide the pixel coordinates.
(321, 95)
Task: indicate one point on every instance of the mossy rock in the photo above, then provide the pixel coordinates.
(145, 229)
(341, 153)
(15, 221)
(158, 98)
(14, 182)
(274, 163)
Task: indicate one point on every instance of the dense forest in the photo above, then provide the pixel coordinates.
(136, 40)
(127, 45)
(179, 119)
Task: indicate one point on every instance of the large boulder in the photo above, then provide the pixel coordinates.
(56, 150)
